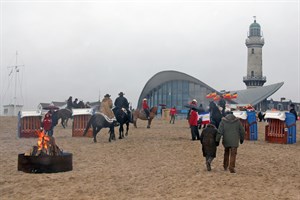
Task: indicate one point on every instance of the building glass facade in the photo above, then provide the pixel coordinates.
(177, 93)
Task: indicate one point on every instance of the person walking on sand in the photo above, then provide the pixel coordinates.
(173, 113)
(209, 144)
(232, 132)
(292, 110)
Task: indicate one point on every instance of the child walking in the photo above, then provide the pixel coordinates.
(209, 144)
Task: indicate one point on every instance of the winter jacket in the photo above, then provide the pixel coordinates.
(231, 130)
(145, 105)
(193, 120)
(173, 111)
(208, 141)
(47, 122)
(121, 102)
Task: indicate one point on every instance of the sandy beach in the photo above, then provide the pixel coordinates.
(157, 163)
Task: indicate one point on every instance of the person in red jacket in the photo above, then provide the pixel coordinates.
(146, 108)
(173, 113)
(47, 123)
(193, 121)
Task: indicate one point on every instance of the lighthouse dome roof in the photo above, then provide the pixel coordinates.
(254, 25)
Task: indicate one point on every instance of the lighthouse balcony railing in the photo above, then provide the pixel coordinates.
(254, 78)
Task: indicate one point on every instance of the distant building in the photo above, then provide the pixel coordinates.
(11, 110)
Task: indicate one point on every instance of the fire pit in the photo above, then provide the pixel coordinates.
(45, 163)
(46, 157)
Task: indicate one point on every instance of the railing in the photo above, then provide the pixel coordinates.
(254, 78)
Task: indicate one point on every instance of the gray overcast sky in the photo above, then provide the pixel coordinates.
(83, 48)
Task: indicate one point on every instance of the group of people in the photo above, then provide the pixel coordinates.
(232, 133)
(121, 103)
(76, 104)
(230, 130)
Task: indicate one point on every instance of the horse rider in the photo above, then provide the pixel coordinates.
(69, 103)
(75, 103)
(146, 108)
(122, 103)
(105, 108)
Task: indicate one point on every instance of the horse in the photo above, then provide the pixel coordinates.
(140, 113)
(123, 118)
(99, 121)
(215, 114)
(102, 119)
(63, 114)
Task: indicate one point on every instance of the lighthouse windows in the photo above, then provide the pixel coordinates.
(252, 73)
(252, 51)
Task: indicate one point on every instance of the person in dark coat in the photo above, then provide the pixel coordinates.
(292, 110)
(75, 103)
(222, 104)
(122, 102)
(69, 103)
(209, 144)
(233, 133)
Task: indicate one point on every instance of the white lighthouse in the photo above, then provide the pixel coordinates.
(254, 43)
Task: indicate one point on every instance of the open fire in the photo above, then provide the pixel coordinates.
(45, 157)
(45, 146)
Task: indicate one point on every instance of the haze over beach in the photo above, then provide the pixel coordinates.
(87, 49)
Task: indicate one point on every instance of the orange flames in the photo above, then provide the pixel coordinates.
(43, 141)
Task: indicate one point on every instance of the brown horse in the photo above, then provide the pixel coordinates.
(140, 113)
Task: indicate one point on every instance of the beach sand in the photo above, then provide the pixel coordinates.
(157, 163)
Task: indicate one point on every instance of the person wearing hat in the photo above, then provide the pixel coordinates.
(293, 111)
(122, 102)
(193, 121)
(146, 108)
(106, 106)
(193, 103)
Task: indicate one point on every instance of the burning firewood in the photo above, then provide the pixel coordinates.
(45, 146)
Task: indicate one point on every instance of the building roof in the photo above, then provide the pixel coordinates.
(251, 96)
(255, 95)
(58, 103)
(165, 76)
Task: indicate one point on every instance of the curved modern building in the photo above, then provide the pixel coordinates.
(174, 88)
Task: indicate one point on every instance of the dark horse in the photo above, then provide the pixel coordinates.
(99, 121)
(140, 113)
(215, 114)
(123, 118)
(63, 114)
